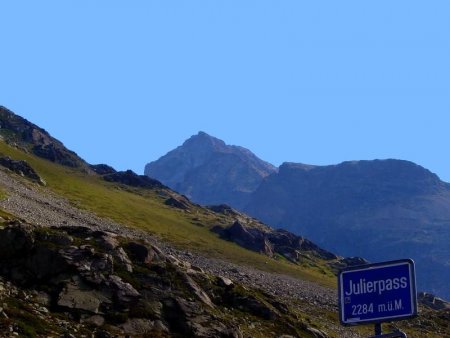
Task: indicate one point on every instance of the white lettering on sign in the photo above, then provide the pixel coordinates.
(362, 287)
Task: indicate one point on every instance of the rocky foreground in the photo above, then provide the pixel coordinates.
(44, 213)
(66, 272)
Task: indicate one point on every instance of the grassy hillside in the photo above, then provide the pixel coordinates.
(145, 209)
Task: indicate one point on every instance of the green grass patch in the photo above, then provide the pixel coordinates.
(144, 209)
(3, 194)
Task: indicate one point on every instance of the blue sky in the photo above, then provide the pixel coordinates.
(319, 82)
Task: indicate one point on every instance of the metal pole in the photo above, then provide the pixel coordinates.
(396, 334)
(378, 330)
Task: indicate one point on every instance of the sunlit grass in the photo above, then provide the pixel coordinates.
(3, 194)
(146, 210)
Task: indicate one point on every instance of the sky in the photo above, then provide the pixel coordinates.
(317, 82)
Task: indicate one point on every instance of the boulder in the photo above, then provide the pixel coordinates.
(22, 168)
(178, 203)
(223, 209)
(342, 263)
(224, 281)
(197, 290)
(79, 296)
(138, 326)
(108, 242)
(140, 252)
(58, 238)
(95, 320)
(121, 257)
(124, 292)
(16, 239)
(102, 169)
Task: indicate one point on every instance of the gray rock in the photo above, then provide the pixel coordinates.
(138, 326)
(140, 253)
(159, 326)
(122, 258)
(198, 292)
(224, 281)
(78, 295)
(108, 242)
(42, 298)
(21, 168)
(125, 292)
(178, 202)
(96, 320)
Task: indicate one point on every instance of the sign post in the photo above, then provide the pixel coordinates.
(376, 293)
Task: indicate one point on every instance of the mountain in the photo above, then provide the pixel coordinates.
(381, 209)
(106, 254)
(103, 253)
(208, 171)
(17, 131)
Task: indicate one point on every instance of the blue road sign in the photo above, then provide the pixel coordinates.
(379, 292)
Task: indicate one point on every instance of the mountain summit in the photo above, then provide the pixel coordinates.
(378, 209)
(209, 171)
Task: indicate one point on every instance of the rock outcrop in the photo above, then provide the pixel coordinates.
(132, 179)
(21, 168)
(178, 202)
(342, 263)
(111, 285)
(431, 301)
(18, 131)
(263, 239)
(102, 169)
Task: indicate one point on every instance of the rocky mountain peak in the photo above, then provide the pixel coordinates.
(209, 171)
(204, 140)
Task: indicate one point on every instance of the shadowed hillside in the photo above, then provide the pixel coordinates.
(382, 209)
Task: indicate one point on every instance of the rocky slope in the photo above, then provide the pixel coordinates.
(383, 209)
(208, 171)
(112, 285)
(18, 131)
(78, 275)
(66, 272)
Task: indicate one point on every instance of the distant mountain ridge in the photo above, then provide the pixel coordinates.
(209, 171)
(379, 210)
